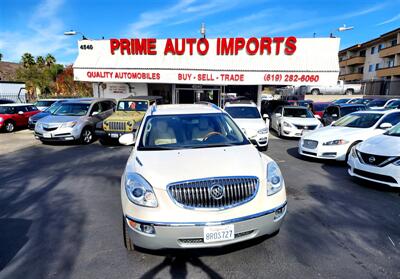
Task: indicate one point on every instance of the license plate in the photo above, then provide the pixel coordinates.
(47, 135)
(114, 136)
(219, 233)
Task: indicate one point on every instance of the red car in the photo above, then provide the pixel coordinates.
(15, 115)
(318, 108)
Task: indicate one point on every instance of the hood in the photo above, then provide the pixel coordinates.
(250, 126)
(333, 133)
(40, 115)
(302, 121)
(374, 145)
(163, 167)
(56, 119)
(126, 116)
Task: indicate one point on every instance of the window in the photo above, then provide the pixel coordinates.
(390, 63)
(243, 112)
(107, 105)
(370, 68)
(358, 120)
(377, 66)
(393, 42)
(32, 108)
(95, 108)
(392, 118)
(332, 111)
(381, 46)
(372, 50)
(346, 110)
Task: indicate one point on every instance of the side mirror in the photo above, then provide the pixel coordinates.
(278, 114)
(95, 113)
(334, 115)
(385, 126)
(127, 139)
(21, 112)
(265, 116)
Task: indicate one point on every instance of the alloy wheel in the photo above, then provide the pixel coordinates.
(10, 127)
(87, 136)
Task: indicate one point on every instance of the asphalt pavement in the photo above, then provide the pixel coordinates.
(60, 217)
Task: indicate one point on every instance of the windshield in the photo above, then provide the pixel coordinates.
(394, 105)
(7, 110)
(377, 103)
(358, 120)
(346, 110)
(243, 112)
(44, 103)
(320, 107)
(132, 106)
(297, 112)
(190, 131)
(395, 131)
(341, 101)
(72, 109)
(53, 107)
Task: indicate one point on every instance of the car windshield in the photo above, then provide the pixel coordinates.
(320, 107)
(394, 105)
(44, 103)
(346, 110)
(53, 107)
(341, 101)
(358, 120)
(166, 132)
(243, 112)
(297, 112)
(72, 109)
(7, 110)
(395, 131)
(132, 106)
(376, 103)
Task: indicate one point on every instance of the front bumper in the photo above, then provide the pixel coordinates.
(260, 140)
(59, 134)
(293, 132)
(389, 174)
(109, 134)
(31, 125)
(190, 235)
(330, 152)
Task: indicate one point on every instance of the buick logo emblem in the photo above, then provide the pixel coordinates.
(371, 159)
(217, 191)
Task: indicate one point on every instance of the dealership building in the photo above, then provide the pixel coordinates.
(188, 70)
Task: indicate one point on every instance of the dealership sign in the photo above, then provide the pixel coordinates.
(220, 61)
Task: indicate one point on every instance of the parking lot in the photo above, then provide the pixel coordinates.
(60, 217)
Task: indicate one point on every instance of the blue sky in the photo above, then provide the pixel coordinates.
(37, 26)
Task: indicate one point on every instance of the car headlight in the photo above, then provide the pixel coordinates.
(1, 119)
(139, 191)
(353, 152)
(105, 123)
(263, 131)
(130, 123)
(69, 124)
(336, 142)
(39, 125)
(30, 119)
(286, 124)
(274, 178)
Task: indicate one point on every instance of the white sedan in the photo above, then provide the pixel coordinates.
(371, 162)
(335, 141)
(291, 121)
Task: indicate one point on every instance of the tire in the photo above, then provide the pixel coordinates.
(349, 92)
(9, 126)
(279, 131)
(87, 136)
(315, 92)
(349, 150)
(128, 243)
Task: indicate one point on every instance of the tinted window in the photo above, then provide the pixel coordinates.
(332, 110)
(341, 101)
(44, 103)
(346, 110)
(392, 118)
(7, 110)
(32, 108)
(395, 131)
(394, 105)
(297, 112)
(358, 120)
(106, 106)
(243, 112)
(377, 103)
(132, 105)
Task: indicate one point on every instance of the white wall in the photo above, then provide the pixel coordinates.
(119, 90)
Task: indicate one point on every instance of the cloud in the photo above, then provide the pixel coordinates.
(43, 33)
(390, 20)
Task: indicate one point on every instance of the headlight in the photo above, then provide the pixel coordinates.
(129, 123)
(263, 131)
(105, 123)
(29, 119)
(274, 178)
(396, 163)
(286, 124)
(353, 152)
(1, 119)
(139, 191)
(39, 125)
(68, 124)
(336, 142)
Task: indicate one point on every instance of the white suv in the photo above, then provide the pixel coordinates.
(248, 118)
(194, 180)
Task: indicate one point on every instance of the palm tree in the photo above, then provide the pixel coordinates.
(40, 61)
(50, 60)
(1, 56)
(27, 60)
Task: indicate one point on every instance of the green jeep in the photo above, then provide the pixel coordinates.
(126, 119)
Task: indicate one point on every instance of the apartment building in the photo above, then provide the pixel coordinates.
(375, 63)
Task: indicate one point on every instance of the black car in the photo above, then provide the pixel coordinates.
(6, 101)
(336, 111)
(361, 101)
(267, 107)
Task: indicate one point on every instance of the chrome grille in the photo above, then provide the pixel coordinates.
(306, 127)
(117, 125)
(311, 144)
(198, 193)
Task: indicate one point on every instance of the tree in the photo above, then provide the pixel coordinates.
(66, 86)
(27, 60)
(50, 60)
(1, 56)
(40, 61)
